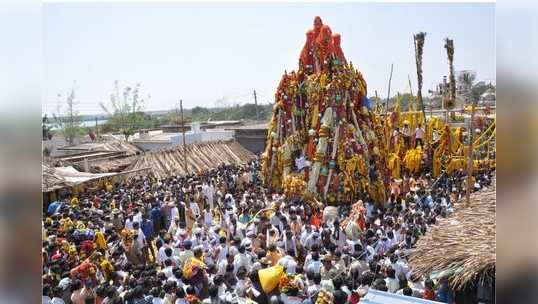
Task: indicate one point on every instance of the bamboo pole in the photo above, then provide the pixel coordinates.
(388, 93)
(470, 157)
(409, 107)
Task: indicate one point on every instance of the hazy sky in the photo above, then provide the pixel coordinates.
(204, 52)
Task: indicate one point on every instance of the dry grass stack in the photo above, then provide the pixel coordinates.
(463, 244)
(200, 157)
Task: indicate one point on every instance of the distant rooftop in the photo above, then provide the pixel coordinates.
(257, 126)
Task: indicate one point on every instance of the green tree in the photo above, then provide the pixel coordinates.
(406, 99)
(125, 111)
(68, 121)
(200, 113)
(479, 89)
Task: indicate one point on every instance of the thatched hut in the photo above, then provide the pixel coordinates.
(200, 157)
(51, 180)
(461, 246)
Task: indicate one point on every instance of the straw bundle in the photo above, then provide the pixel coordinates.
(200, 157)
(463, 244)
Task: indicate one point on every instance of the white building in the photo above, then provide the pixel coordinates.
(156, 140)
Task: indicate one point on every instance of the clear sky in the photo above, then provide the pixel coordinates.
(204, 52)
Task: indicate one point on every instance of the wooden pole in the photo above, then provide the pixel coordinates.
(183, 131)
(431, 108)
(470, 156)
(388, 93)
(96, 129)
(377, 103)
(256, 106)
(409, 107)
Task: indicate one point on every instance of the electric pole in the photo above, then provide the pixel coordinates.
(183, 131)
(256, 106)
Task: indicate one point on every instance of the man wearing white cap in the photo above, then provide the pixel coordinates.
(247, 240)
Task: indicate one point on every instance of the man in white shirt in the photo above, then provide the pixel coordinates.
(419, 135)
(241, 260)
(326, 267)
(208, 216)
(137, 215)
(290, 242)
(161, 255)
(276, 222)
(416, 284)
(288, 262)
(195, 208)
(315, 287)
(313, 239)
(140, 237)
(168, 268)
(187, 253)
(209, 193)
(314, 264)
(174, 226)
(306, 234)
(223, 249)
(129, 222)
(369, 209)
(400, 267)
(392, 283)
(174, 211)
(221, 266)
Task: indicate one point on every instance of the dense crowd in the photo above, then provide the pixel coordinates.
(205, 238)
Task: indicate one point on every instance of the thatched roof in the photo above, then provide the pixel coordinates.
(462, 245)
(51, 180)
(111, 144)
(112, 165)
(120, 145)
(200, 157)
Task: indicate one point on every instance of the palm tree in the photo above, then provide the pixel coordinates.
(449, 46)
(419, 47)
(466, 79)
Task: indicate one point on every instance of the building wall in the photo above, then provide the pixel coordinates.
(217, 135)
(151, 146)
(177, 139)
(252, 139)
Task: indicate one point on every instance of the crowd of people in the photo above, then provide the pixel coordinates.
(205, 238)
